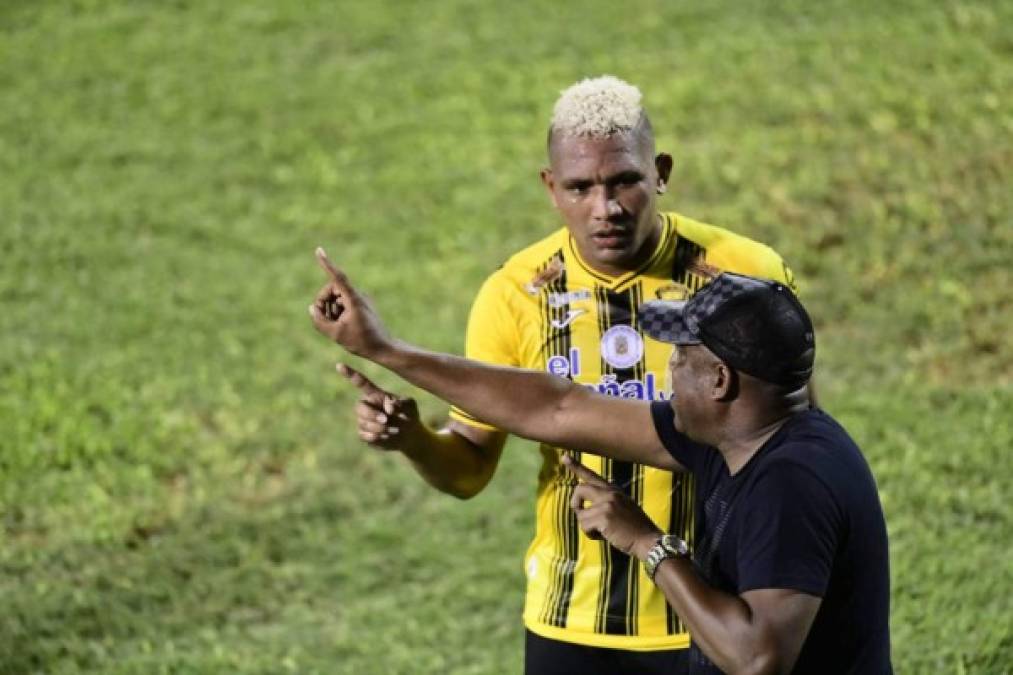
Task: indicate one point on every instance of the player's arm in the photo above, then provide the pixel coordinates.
(458, 459)
(758, 631)
(528, 403)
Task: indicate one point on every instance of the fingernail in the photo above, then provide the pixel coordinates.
(320, 250)
(310, 308)
(381, 418)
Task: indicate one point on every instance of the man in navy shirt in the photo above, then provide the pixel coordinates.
(788, 570)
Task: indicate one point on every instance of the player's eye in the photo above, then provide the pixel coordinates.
(629, 178)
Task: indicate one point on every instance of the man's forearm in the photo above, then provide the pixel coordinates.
(523, 402)
(535, 405)
(721, 624)
(450, 462)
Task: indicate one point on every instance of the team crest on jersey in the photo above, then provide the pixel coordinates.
(676, 292)
(622, 347)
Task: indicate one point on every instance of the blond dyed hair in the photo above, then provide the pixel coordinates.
(598, 107)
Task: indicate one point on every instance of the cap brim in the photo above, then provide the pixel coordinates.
(664, 320)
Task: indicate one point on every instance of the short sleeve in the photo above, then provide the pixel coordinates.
(492, 335)
(691, 455)
(790, 528)
(773, 266)
(786, 276)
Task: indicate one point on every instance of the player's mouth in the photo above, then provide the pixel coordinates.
(612, 238)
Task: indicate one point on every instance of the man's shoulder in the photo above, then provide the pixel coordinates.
(730, 250)
(526, 269)
(524, 265)
(817, 446)
(537, 254)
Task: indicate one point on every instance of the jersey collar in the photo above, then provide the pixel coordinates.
(667, 232)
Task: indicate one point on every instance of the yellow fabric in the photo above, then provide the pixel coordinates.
(574, 322)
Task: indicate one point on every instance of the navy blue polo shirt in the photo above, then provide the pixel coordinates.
(802, 514)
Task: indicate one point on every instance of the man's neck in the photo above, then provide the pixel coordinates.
(739, 447)
(748, 424)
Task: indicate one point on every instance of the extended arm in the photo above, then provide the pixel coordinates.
(528, 403)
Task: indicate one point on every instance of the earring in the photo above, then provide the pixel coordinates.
(661, 188)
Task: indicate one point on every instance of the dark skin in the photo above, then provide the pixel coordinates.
(758, 631)
(606, 191)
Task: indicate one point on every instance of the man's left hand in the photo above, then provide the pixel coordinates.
(344, 315)
(604, 512)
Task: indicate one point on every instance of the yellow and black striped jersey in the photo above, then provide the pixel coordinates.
(547, 309)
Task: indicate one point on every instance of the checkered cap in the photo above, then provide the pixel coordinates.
(754, 325)
(665, 320)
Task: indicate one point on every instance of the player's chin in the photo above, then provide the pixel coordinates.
(615, 256)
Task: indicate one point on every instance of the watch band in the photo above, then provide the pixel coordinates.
(667, 546)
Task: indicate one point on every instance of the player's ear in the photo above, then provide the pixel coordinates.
(663, 163)
(550, 185)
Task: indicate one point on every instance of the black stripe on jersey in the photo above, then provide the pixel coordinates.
(605, 550)
(620, 582)
(545, 311)
(686, 252)
(681, 523)
(557, 341)
(684, 489)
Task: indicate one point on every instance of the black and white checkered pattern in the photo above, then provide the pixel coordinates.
(664, 320)
(679, 322)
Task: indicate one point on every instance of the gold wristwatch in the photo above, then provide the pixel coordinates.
(668, 546)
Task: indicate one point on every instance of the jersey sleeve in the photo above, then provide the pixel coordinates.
(771, 265)
(790, 529)
(492, 335)
(785, 275)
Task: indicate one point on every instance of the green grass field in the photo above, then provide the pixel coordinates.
(180, 486)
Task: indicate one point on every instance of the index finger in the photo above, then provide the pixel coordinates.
(336, 275)
(583, 473)
(363, 383)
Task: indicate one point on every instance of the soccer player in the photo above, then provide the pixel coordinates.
(567, 305)
(789, 570)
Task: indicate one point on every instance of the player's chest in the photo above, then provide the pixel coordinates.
(590, 334)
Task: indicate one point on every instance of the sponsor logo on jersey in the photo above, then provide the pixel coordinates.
(568, 319)
(563, 299)
(622, 347)
(644, 390)
(565, 366)
(675, 292)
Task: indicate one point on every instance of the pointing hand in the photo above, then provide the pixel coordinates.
(605, 512)
(385, 421)
(345, 316)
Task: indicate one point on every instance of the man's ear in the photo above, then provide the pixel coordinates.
(663, 164)
(725, 382)
(550, 185)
